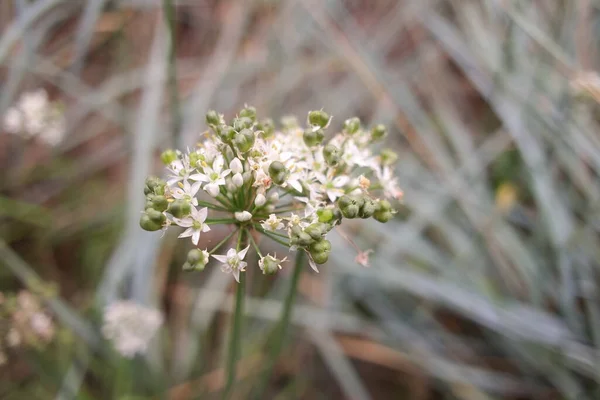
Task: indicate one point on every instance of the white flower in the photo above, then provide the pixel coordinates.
(236, 166)
(333, 188)
(194, 223)
(232, 262)
(260, 200)
(215, 176)
(243, 216)
(130, 326)
(13, 120)
(389, 183)
(180, 170)
(272, 223)
(187, 191)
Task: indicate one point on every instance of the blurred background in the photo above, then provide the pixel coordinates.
(484, 286)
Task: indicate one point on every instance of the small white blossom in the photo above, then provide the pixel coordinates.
(187, 191)
(243, 216)
(215, 176)
(238, 180)
(130, 326)
(232, 262)
(194, 223)
(272, 223)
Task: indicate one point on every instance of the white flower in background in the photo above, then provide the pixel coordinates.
(389, 183)
(194, 223)
(42, 326)
(215, 176)
(130, 326)
(34, 115)
(232, 262)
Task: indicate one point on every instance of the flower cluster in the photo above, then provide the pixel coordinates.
(130, 326)
(29, 324)
(34, 115)
(291, 185)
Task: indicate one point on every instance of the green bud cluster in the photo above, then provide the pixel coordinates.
(312, 239)
(196, 260)
(153, 218)
(364, 207)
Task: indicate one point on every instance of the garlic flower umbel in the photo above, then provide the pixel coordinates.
(290, 185)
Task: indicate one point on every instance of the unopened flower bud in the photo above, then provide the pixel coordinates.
(378, 132)
(260, 200)
(168, 156)
(274, 197)
(331, 154)
(318, 118)
(238, 180)
(313, 138)
(244, 140)
(243, 216)
(236, 166)
(352, 125)
(213, 118)
(180, 208)
(388, 157)
(249, 112)
(196, 260)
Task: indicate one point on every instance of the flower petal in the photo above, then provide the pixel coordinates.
(242, 253)
(220, 258)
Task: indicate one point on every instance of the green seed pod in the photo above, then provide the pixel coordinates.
(359, 200)
(277, 172)
(156, 216)
(367, 209)
(332, 155)
(318, 118)
(320, 258)
(159, 202)
(149, 203)
(320, 246)
(383, 216)
(350, 211)
(378, 132)
(325, 214)
(179, 208)
(267, 127)
(296, 230)
(226, 132)
(313, 138)
(345, 201)
(213, 118)
(249, 112)
(352, 125)
(337, 216)
(238, 124)
(168, 156)
(316, 230)
(383, 205)
(194, 158)
(388, 157)
(196, 260)
(148, 225)
(304, 239)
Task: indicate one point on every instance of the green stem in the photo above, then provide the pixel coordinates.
(211, 206)
(236, 328)
(274, 238)
(222, 242)
(212, 221)
(169, 14)
(276, 344)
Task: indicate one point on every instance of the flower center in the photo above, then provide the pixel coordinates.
(214, 176)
